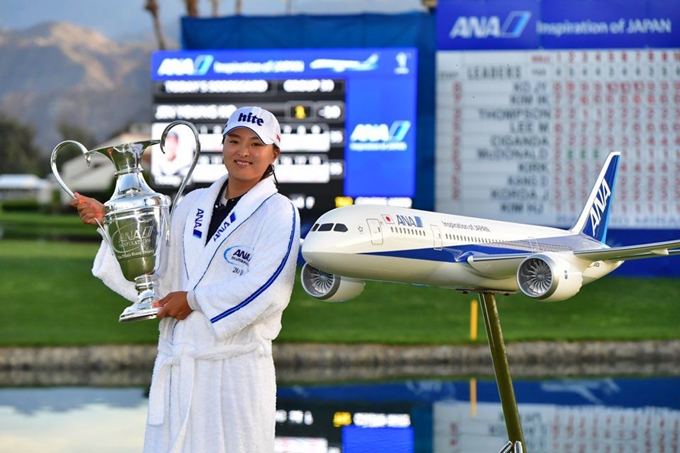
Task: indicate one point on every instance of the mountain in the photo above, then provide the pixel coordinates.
(121, 21)
(59, 71)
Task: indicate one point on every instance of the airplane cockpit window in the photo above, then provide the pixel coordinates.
(326, 227)
(315, 227)
(341, 227)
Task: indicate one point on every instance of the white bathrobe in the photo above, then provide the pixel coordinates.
(213, 388)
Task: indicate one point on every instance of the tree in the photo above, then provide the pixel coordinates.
(192, 7)
(18, 154)
(215, 7)
(152, 7)
(70, 131)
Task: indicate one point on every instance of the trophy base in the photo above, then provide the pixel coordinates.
(136, 313)
(146, 287)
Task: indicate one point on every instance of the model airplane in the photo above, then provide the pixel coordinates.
(349, 245)
(345, 65)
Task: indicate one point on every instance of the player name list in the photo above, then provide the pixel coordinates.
(522, 135)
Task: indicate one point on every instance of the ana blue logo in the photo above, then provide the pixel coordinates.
(410, 221)
(599, 205)
(239, 255)
(467, 27)
(380, 132)
(380, 137)
(224, 226)
(197, 66)
(198, 223)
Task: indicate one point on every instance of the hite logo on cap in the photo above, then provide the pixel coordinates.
(250, 118)
(257, 119)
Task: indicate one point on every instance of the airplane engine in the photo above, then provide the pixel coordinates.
(548, 277)
(329, 287)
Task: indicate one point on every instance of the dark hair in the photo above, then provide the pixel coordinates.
(270, 169)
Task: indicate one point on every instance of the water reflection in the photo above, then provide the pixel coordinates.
(72, 420)
(415, 416)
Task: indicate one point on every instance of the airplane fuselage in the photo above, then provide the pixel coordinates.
(420, 247)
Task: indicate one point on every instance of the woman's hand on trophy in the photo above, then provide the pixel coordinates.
(89, 209)
(174, 304)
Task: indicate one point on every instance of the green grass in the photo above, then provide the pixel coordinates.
(49, 297)
(32, 224)
(613, 308)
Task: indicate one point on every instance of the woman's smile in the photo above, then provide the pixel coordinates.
(243, 163)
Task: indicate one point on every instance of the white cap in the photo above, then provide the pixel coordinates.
(258, 120)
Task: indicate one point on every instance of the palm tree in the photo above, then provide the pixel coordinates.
(215, 7)
(152, 7)
(192, 7)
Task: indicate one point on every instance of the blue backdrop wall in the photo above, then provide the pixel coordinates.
(365, 30)
(382, 30)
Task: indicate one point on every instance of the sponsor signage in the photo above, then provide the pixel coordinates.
(553, 24)
(255, 63)
(348, 117)
(494, 24)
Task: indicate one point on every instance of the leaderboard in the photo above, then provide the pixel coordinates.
(532, 97)
(346, 115)
(526, 133)
(310, 111)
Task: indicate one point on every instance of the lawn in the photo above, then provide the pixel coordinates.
(49, 297)
(30, 225)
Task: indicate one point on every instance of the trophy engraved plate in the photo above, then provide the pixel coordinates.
(137, 219)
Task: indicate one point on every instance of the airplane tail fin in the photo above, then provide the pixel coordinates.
(594, 218)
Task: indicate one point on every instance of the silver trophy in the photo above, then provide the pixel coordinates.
(137, 219)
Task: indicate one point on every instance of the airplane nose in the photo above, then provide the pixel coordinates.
(327, 242)
(322, 248)
(311, 248)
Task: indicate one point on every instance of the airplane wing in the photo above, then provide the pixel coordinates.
(631, 252)
(501, 266)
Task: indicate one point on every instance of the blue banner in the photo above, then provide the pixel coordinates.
(556, 24)
(282, 63)
(381, 133)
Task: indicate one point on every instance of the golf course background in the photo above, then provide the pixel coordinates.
(50, 298)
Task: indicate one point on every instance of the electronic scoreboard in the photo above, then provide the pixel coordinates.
(348, 118)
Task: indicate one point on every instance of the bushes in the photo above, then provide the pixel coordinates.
(20, 205)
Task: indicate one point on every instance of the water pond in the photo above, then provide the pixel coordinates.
(617, 415)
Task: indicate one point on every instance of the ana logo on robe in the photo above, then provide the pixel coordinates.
(239, 256)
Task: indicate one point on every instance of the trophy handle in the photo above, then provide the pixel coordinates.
(193, 164)
(57, 176)
(53, 162)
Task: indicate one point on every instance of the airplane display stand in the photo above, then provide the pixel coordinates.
(511, 447)
(501, 368)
